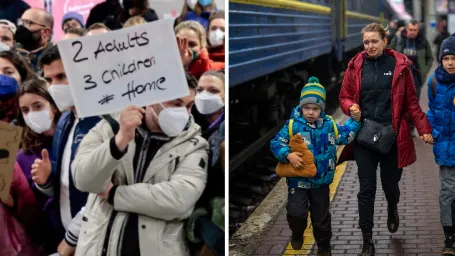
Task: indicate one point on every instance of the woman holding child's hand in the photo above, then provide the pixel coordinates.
(378, 87)
(355, 112)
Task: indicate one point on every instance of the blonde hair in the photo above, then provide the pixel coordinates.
(376, 27)
(196, 27)
(97, 25)
(133, 21)
(215, 73)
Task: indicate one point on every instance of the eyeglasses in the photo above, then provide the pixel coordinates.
(28, 23)
(373, 41)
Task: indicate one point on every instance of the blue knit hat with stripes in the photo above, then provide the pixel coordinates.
(313, 92)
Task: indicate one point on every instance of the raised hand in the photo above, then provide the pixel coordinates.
(41, 168)
(130, 119)
(185, 52)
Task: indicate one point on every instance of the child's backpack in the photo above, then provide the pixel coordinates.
(297, 144)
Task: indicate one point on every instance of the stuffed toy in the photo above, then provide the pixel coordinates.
(309, 168)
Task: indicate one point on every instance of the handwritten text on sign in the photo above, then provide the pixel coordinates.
(140, 65)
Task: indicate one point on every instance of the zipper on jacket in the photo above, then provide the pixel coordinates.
(176, 163)
(94, 201)
(142, 158)
(375, 87)
(108, 232)
(122, 233)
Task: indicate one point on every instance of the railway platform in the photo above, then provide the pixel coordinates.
(420, 231)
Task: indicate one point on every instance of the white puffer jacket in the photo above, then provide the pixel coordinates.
(173, 182)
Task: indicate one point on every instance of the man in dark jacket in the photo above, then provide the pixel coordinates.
(53, 174)
(416, 47)
(34, 34)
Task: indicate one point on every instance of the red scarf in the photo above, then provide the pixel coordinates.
(217, 53)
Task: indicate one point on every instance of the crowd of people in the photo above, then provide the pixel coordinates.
(380, 93)
(146, 179)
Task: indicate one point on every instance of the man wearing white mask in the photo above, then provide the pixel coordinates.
(150, 166)
(53, 174)
(215, 35)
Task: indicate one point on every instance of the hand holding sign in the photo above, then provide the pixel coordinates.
(139, 65)
(130, 119)
(41, 169)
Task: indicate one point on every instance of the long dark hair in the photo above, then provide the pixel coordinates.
(20, 63)
(32, 142)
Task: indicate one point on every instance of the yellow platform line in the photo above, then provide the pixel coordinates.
(308, 238)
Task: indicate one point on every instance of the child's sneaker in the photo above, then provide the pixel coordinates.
(297, 241)
(449, 243)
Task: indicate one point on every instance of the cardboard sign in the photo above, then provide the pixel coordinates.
(10, 138)
(139, 65)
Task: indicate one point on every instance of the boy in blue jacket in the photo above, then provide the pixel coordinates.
(441, 115)
(321, 135)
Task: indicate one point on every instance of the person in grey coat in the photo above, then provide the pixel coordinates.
(144, 179)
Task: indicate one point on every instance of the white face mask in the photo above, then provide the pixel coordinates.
(61, 94)
(208, 103)
(4, 47)
(191, 3)
(216, 38)
(172, 121)
(38, 121)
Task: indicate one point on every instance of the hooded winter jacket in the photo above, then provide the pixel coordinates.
(441, 114)
(172, 183)
(424, 56)
(321, 139)
(403, 99)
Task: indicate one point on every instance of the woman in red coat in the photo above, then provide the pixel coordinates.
(378, 86)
